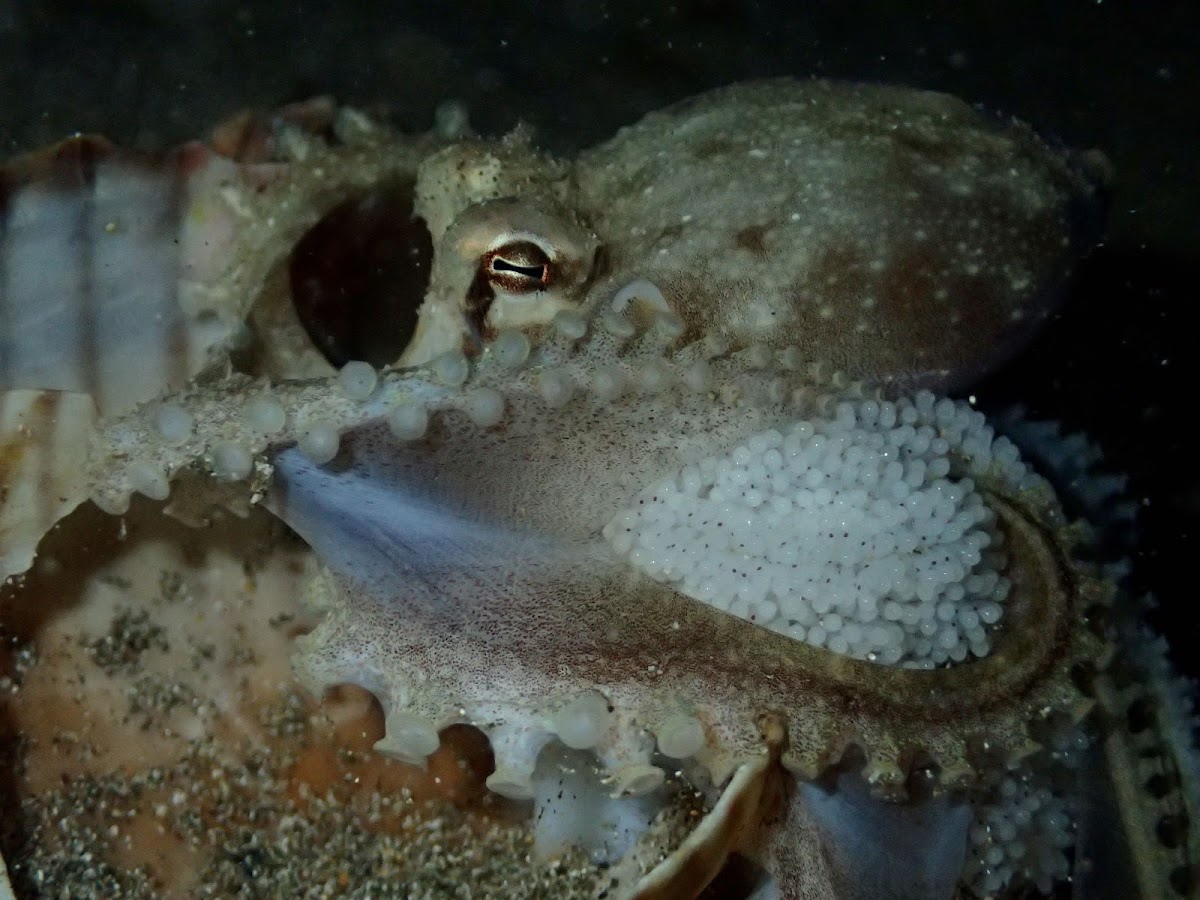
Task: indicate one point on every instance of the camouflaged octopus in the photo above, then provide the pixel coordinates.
(657, 482)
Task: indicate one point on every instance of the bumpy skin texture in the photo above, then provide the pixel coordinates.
(560, 617)
(889, 233)
(468, 581)
(778, 235)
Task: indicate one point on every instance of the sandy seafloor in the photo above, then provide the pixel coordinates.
(1120, 363)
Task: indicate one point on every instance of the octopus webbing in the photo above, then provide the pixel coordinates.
(656, 488)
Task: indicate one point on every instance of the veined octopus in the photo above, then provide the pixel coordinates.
(655, 495)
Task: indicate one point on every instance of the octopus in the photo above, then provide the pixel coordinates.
(637, 475)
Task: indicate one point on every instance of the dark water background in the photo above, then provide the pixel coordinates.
(1121, 362)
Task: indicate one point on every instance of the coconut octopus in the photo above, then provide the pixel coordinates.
(655, 491)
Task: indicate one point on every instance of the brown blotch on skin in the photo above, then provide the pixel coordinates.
(922, 308)
(601, 265)
(711, 148)
(753, 238)
(479, 299)
(10, 456)
(837, 272)
(669, 235)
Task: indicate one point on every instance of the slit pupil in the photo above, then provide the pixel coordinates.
(534, 273)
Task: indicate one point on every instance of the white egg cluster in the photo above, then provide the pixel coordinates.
(860, 533)
(1023, 837)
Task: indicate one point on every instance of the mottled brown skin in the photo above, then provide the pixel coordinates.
(895, 235)
(892, 234)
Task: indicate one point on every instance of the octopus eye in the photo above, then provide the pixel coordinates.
(518, 267)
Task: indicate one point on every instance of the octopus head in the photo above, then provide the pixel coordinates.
(504, 263)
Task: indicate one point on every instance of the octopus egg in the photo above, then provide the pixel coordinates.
(990, 612)
(358, 380)
(320, 443)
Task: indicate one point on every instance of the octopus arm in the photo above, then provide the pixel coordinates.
(897, 851)
(834, 840)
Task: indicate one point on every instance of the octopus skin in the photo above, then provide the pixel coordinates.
(590, 328)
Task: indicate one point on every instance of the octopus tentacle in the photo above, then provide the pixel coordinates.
(1150, 758)
(493, 602)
